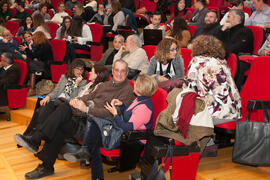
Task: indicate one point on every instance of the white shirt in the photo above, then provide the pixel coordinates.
(6, 68)
(58, 17)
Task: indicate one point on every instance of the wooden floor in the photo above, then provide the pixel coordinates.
(14, 163)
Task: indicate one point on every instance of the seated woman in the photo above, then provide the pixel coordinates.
(40, 25)
(27, 25)
(40, 61)
(119, 18)
(200, 12)
(5, 13)
(69, 85)
(55, 127)
(180, 11)
(63, 31)
(80, 33)
(179, 31)
(209, 75)
(58, 17)
(100, 16)
(167, 63)
(27, 41)
(138, 116)
(43, 8)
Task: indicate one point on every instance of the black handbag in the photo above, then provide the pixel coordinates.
(252, 139)
(157, 173)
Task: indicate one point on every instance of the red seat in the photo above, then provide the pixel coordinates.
(186, 55)
(55, 4)
(57, 70)
(149, 5)
(13, 27)
(247, 10)
(192, 29)
(53, 28)
(30, 11)
(191, 9)
(50, 12)
(258, 37)
(69, 12)
(150, 51)
(13, 11)
(17, 97)
(17, 39)
(232, 63)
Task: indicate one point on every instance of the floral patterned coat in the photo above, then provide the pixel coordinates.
(211, 78)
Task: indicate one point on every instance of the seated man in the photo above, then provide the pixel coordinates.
(21, 13)
(260, 17)
(133, 54)
(9, 76)
(7, 44)
(59, 124)
(265, 49)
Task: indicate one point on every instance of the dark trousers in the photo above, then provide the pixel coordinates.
(71, 51)
(94, 142)
(3, 97)
(55, 127)
(240, 75)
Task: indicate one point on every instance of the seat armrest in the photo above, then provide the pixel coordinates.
(135, 135)
(256, 104)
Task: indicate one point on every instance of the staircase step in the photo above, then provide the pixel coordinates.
(21, 116)
(31, 102)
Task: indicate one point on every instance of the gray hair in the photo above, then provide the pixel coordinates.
(8, 57)
(240, 14)
(120, 61)
(119, 36)
(136, 40)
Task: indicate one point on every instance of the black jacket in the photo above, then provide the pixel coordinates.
(9, 77)
(211, 30)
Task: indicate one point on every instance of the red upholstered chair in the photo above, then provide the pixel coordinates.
(57, 67)
(50, 12)
(247, 10)
(191, 9)
(17, 97)
(30, 11)
(69, 12)
(142, 21)
(53, 28)
(12, 26)
(258, 37)
(13, 11)
(17, 39)
(55, 4)
(150, 50)
(186, 55)
(192, 29)
(149, 5)
(232, 63)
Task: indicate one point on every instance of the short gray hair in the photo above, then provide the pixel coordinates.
(119, 36)
(136, 40)
(8, 57)
(240, 14)
(120, 61)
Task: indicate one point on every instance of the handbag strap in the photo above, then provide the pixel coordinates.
(265, 113)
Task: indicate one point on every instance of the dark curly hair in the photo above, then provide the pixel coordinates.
(208, 46)
(75, 64)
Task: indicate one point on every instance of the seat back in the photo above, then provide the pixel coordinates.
(59, 49)
(192, 29)
(149, 5)
(69, 12)
(186, 55)
(97, 31)
(191, 9)
(30, 11)
(232, 63)
(53, 28)
(258, 37)
(247, 10)
(256, 86)
(13, 11)
(23, 70)
(55, 3)
(57, 71)
(150, 51)
(159, 104)
(51, 13)
(17, 39)
(12, 26)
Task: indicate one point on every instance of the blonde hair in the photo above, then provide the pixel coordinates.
(146, 85)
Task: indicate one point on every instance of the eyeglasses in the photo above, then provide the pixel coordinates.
(80, 69)
(174, 49)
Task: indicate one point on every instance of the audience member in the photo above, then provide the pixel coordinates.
(101, 16)
(27, 41)
(43, 8)
(236, 37)
(59, 124)
(119, 18)
(71, 3)
(40, 59)
(200, 12)
(92, 4)
(86, 13)
(21, 13)
(40, 25)
(108, 56)
(2, 27)
(27, 25)
(162, 6)
(235, 4)
(9, 76)
(128, 5)
(8, 44)
(64, 30)
(58, 17)
(5, 13)
(260, 17)
(132, 53)
(180, 32)
(34, 5)
(80, 33)
(181, 11)
(138, 116)
(167, 63)
(265, 49)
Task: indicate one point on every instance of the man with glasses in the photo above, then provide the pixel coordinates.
(7, 44)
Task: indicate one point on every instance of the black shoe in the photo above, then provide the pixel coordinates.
(81, 154)
(84, 163)
(27, 142)
(39, 172)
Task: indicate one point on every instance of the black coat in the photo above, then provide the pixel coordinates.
(238, 39)
(211, 30)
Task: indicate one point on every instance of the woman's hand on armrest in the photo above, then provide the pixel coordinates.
(44, 101)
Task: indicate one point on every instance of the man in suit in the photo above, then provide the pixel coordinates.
(9, 76)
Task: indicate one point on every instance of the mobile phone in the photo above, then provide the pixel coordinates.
(168, 76)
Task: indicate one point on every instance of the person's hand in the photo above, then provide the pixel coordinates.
(74, 39)
(24, 56)
(162, 78)
(116, 102)
(226, 26)
(22, 48)
(35, 59)
(78, 104)
(44, 101)
(4, 40)
(122, 48)
(111, 108)
(78, 80)
(267, 51)
(100, 12)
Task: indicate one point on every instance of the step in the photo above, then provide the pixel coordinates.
(21, 116)
(31, 102)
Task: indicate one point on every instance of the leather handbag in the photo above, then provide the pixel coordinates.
(157, 173)
(252, 141)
